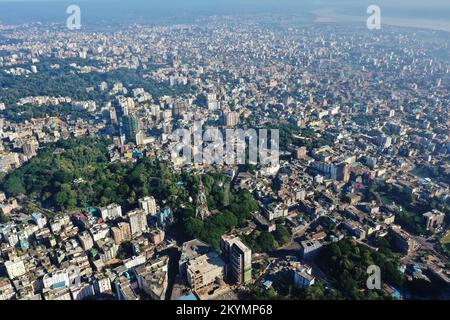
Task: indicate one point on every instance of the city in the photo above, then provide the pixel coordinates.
(97, 202)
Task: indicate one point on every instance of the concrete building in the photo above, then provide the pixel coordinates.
(433, 219)
(275, 210)
(309, 249)
(6, 290)
(403, 240)
(99, 231)
(39, 219)
(239, 259)
(303, 277)
(205, 270)
(57, 294)
(15, 268)
(86, 240)
(111, 211)
(138, 221)
(85, 290)
(55, 280)
(153, 278)
(157, 236)
(121, 233)
(148, 204)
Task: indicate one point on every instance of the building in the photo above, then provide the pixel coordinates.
(157, 236)
(275, 210)
(231, 119)
(213, 103)
(153, 278)
(148, 204)
(102, 284)
(303, 277)
(121, 233)
(108, 249)
(86, 240)
(165, 217)
(309, 249)
(433, 219)
(239, 259)
(403, 240)
(15, 268)
(205, 270)
(343, 172)
(30, 148)
(131, 125)
(190, 251)
(111, 211)
(85, 290)
(6, 290)
(57, 294)
(99, 231)
(56, 280)
(138, 221)
(124, 290)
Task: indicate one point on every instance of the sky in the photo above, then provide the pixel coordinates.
(129, 10)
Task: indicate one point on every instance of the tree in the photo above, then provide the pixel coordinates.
(3, 218)
(282, 235)
(194, 227)
(14, 186)
(125, 250)
(266, 241)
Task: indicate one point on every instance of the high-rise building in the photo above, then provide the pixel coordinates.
(138, 221)
(86, 240)
(231, 119)
(113, 115)
(433, 219)
(131, 126)
(121, 233)
(140, 138)
(239, 259)
(39, 219)
(111, 211)
(213, 104)
(148, 204)
(30, 148)
(343, 172)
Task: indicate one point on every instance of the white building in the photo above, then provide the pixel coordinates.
(86, 240)
(56, 279)
(102, 284)
(138, 221)
(39, 219)
(15, 268)
(99, 231)
(148, 204)
(111, 211)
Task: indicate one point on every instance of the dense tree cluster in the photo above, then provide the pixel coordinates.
(76, 174)
(346, 263)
